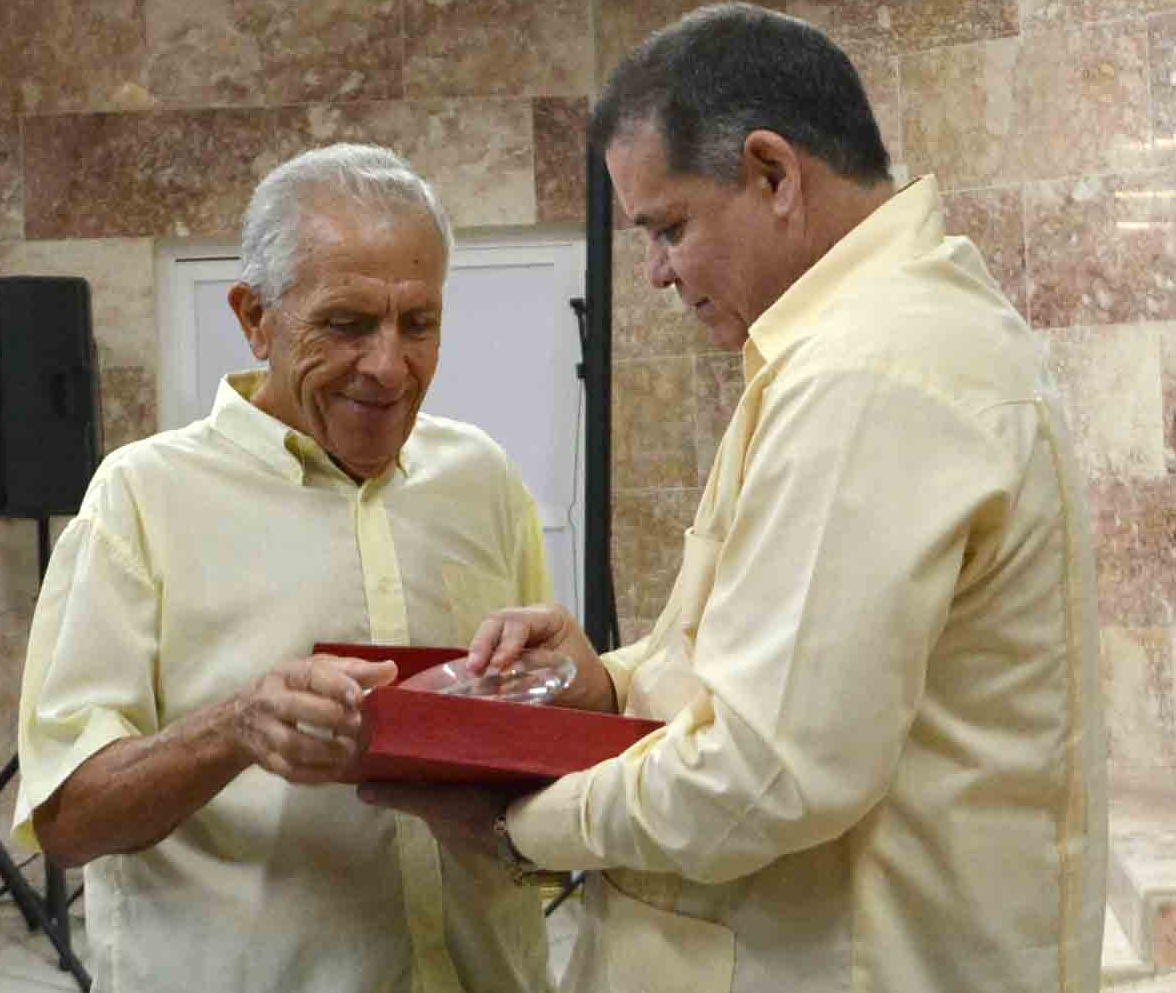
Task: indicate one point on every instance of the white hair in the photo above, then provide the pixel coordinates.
(374, 178)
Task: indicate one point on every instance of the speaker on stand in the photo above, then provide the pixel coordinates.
(50, 444)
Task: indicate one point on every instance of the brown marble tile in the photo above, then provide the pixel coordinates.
(1139, 696)
(479, 154)
(1110, 380)
(1064, 102)
(121, 275)
(994, 220)
(911, 26)
(60, 56)
(718, 385)
(561, 188)
(1168, 390)
(1164, 936)
(1100, 249)
(1037, 15)
(648, 322)
(653, 424)
(129, 405)
(1134, 524)
(178, 173)
(11, 180)
(647, 536)
(191, 172)
(497, 48)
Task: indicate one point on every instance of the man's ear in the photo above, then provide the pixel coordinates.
(770, 159)
(249, 309)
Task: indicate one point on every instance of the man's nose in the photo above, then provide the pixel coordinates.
(657, 266)
(383, 358)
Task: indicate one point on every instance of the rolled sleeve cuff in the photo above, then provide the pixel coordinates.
(548, 827)
(41, 779)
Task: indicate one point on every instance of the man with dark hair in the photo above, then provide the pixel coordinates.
(882, 766)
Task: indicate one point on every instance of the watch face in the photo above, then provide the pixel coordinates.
(535, 677)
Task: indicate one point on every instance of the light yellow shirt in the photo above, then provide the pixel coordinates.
(883, 770)
(200, 559)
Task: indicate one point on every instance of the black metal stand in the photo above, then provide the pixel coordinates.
(600, 615)
(51, 912)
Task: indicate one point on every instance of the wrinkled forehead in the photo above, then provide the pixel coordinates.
(341, 239)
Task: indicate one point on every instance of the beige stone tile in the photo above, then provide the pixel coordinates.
(120, 272)
(478, 154)
(497, 48)
(1134, 524)
(648, 322)
(1037, 15)
(11, 180)
(647, 535)
(253, 52)
(653, 424)
(327, 50)
(1110, 380)
(129, 405)
(561, 191)
(718, 385)
(994, 220)
(1063, 102)
(60, 56)
(635, 628)
(1139, 692)
(911, 26)
(200, 55)
(623, 24)
(879, 74)
(1168, 390)
(1162, 64)
(1100, 249)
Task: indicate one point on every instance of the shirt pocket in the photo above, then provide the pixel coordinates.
(656, 951)
(473, 594)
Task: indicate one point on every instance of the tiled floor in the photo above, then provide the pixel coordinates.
(28, 962)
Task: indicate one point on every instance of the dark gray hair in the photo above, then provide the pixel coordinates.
(721, 72)
(374, 178)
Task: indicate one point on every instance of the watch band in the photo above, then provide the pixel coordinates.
(517, 864)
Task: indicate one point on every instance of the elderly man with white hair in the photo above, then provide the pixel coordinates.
(172, 713)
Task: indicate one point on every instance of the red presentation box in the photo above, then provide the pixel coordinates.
(428, 737)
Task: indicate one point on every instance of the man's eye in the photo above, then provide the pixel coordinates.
(422, 326)
(671, 234)
(351, 325)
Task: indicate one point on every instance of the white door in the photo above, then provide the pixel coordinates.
(509, 350)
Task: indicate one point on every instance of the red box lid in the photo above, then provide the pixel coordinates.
(428, 737)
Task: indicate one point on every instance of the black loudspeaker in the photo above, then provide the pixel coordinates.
(50, 423)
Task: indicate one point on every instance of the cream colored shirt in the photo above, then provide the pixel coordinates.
(883, 770)
(200, 559)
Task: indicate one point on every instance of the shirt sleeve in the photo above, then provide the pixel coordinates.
(530, 562)
(89, 672)
(859, 493)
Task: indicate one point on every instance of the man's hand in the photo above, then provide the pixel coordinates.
(506, 634)
(303, 721)
(460, 817)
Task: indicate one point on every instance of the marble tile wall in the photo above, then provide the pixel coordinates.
(1050, 123)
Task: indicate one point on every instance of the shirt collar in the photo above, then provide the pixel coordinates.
(906, 226)
(281, 447)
